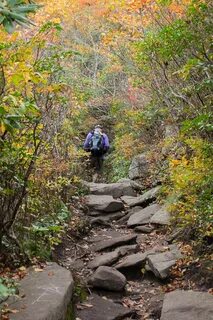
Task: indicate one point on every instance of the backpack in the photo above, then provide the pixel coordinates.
(96, 142)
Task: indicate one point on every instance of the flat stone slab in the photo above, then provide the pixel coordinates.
(187, 305)
(44, 295)
(131, 248)
(103, 203)
(161, 217)
(161, 263)
(106, 259)
(144, 229)
(115, 242)
(109, 217)
(143, 216)
(103, 309)
(141, 200)
(133, 260)
(107, 278)
(116, 190)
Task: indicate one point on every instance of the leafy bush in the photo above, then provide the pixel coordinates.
(191, 190)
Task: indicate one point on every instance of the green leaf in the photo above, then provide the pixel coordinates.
(1, 19)
(9, 25)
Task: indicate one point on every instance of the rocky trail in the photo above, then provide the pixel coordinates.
(127, 266)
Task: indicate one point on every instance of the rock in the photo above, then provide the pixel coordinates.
(125, 218)
(155, 306)
(103, 309)
(135, 185)
(171, 131)
(127, 249)
(108, 278)
(172, 144)
(144, 229)
(187, 305)
(143, 216)
(104, 203)
(161, 263)
(174, 235)
(139, 167)
(161, 217)
(132, 261)
(106, 219)
(116, 190)
(142, 200)
(43, 295)
(115, 242)
(106, 259)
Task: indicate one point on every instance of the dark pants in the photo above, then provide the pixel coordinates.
(97, 158)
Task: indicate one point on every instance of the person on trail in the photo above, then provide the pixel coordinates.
(97, 142)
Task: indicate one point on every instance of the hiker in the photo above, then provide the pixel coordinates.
(97, 143)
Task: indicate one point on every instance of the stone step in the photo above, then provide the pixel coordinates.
(107, 259)
(103, 309)
(107, 218)
(118, 241)
(143, 199)
(103, 203)
(143, 216)
(116, 190)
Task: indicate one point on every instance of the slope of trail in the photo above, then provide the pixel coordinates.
(125, 264)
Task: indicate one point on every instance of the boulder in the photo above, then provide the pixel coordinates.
(143, 216)
(102, 309)
(139, 167)
(161, 263)
(116, 190)
(115, 242)
(107, 278)
(104, 203)
(43, 295)
(144, 229)
(161, 217)
(187, 305)
(142, 200)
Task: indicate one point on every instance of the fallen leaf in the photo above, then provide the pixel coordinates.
(38, 270)
(210, 291)
(87, 305)
(14, 311)
(22, 268)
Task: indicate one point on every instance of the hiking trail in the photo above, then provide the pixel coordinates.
(125, 266)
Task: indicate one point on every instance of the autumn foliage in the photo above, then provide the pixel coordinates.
(135, 66)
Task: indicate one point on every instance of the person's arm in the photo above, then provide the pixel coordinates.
(106, 141)
(87, 141)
